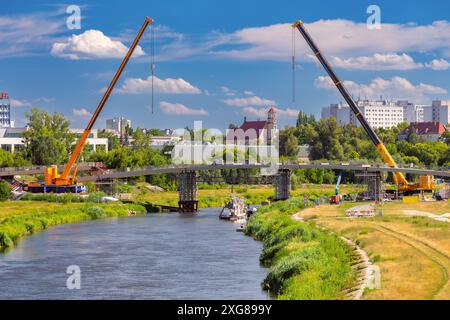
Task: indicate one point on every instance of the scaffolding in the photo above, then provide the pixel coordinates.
(187, 192)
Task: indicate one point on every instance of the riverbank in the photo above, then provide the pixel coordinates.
(306, 262)
(411, 252)
(21, 218)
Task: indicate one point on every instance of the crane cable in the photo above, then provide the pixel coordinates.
(293, 65)
(152, 59)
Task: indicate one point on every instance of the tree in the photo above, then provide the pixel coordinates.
(288, 143)
(113, 140)
(48, 139)
(5, 191)
(140, 139)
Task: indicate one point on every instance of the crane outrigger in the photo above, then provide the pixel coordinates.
(67, 182)
(426, 183)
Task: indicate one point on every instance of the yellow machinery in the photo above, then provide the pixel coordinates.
(425, 183)
(67, 182)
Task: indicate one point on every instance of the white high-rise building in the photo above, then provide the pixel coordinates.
(340, 111)
(118, 124)
(415, 112)
(441, 111)
(378, 113)
(5, 110)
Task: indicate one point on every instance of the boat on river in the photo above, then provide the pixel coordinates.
(235, 210)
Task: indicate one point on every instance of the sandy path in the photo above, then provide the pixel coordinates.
(443, 217)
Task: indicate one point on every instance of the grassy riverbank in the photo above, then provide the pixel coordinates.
(22, 218)
(412, 251)
(211, 198)
(305, 262)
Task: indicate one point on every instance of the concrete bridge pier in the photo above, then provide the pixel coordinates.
(188, 195)
(282, 184)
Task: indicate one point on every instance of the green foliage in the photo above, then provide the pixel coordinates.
(63, 198)
(5, 191)
(8, 159)
(113, 140)
(331, 141)
(5, 240)
(305, 262)
(288, 143)
(48, 140)
(14, 227)
(96, 212)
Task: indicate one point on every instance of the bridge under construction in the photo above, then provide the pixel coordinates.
(188, 175)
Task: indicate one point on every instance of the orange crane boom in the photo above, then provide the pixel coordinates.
(51, 174)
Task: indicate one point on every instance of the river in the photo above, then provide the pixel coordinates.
(158, 256)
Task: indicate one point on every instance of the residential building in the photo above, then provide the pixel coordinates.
(11, 139)
(5, 110)
(441, 111)
(415, 112)
(378, 113)
(430, 131)
(118, 125)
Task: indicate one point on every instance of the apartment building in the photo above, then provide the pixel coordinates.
(11, 139)
(441, 111)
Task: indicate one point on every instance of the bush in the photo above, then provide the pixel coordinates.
(305, 262)
(96, 212)
(5, 241)
(5, 191)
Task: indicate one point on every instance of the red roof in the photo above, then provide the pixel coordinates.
(257, 125)
(272, 110)
(421, 128)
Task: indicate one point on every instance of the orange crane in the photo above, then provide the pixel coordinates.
(67, 182)
(426, 183)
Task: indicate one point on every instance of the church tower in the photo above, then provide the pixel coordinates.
(271, 122)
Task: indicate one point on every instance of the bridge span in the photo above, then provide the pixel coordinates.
(188, 180)
(114, 174)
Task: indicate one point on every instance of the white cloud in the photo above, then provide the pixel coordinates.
(82, 112)
(248, 101)
(438, 64)
(180, 109)
(248, 93)
(394, 88)
(262, 112)
(347, 44)
(16, 103)
(378, 61)
(29, 34)
(168, 85)
(92, 44)
(227, 91)
(257, 112)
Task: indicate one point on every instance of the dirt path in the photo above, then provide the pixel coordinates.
(361, 265)
(443, 217)
(438, 257)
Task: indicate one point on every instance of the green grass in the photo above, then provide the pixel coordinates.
(305, 262)
(15, 226)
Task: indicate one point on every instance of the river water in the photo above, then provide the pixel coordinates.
(158, 256)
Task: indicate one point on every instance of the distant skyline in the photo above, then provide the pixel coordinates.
(218, 61)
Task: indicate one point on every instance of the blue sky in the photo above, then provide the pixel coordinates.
(217, 61)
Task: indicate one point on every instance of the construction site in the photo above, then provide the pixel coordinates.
(352, 206)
